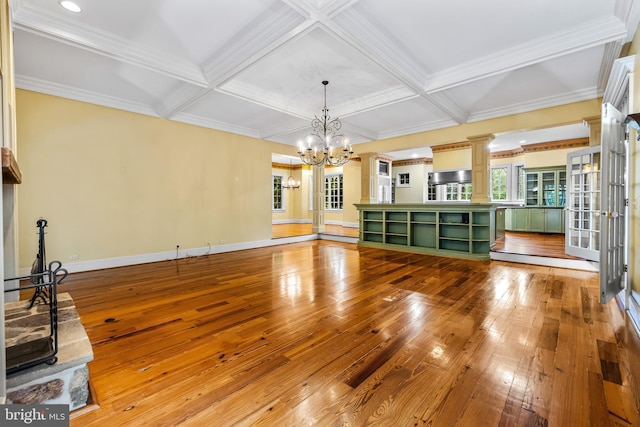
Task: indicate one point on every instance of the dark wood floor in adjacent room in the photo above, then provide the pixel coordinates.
(325, 333)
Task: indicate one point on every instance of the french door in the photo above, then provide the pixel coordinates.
(582, 219)
(614, 211)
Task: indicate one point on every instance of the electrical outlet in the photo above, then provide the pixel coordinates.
(74, 257)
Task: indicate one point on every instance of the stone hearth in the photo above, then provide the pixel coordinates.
(66, 381)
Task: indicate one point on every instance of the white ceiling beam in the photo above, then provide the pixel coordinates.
(254, 44)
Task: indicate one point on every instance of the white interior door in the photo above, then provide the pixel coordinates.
(582, 219)
(613, 218)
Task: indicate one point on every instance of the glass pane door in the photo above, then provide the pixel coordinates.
(548, 189)
(614, 211)
(582, 228)
(532, 188)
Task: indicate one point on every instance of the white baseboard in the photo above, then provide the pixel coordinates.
(99, 264)
(291, 221)
(308, 221)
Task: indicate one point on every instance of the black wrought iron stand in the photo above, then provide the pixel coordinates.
(38, 266)
(40, 350)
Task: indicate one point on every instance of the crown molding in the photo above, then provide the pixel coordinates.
(285, 166)
(453, 146)
(556, 145)
(214, 124)
(617, 85)
(507, 153)
(538, 104)
(60, 28)
(628, 12)
(70, 92)
(411, 162)
(594, 33)
(611, 53)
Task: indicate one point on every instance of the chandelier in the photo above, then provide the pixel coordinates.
(324, 145)
(291, 182)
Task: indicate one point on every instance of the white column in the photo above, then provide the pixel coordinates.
(318, 199)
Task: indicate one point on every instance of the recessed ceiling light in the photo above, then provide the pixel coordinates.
(523, 141)
(414, 155)
(70, 6)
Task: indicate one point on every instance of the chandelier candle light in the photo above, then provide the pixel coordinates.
(324, 145)
(291, 182)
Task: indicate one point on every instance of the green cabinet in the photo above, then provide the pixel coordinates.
(458, 230)
(554, 221)
(538, 220)
(546, 187)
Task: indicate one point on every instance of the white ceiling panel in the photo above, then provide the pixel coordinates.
(444, 34)
(541, 82)
(255, 67)
(402, 118)
(290, 77)
(91, 72)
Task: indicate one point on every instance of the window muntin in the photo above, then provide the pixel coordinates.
(499, 181)
(333, 197)
(277, 196)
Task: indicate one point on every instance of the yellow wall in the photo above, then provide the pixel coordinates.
(548, 158)
(418, 181)
(350, 194)
(113, 183)
(453, 159)
(508, 160)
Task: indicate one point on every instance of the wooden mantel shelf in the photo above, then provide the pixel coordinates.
(10, 170)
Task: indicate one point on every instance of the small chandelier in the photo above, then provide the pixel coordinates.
(324, 145)
(291, 182)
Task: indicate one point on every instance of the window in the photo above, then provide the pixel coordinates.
(333, 192)
(383, 168)
(455, 192)
(465, 191)
(431, 192)
(499, 183)
(277, 195)
(403, 180)
(451, 192)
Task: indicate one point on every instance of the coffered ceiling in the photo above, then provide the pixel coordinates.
(254, 67)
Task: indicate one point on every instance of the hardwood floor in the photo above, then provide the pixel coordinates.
(326, 333)
(535, 244)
